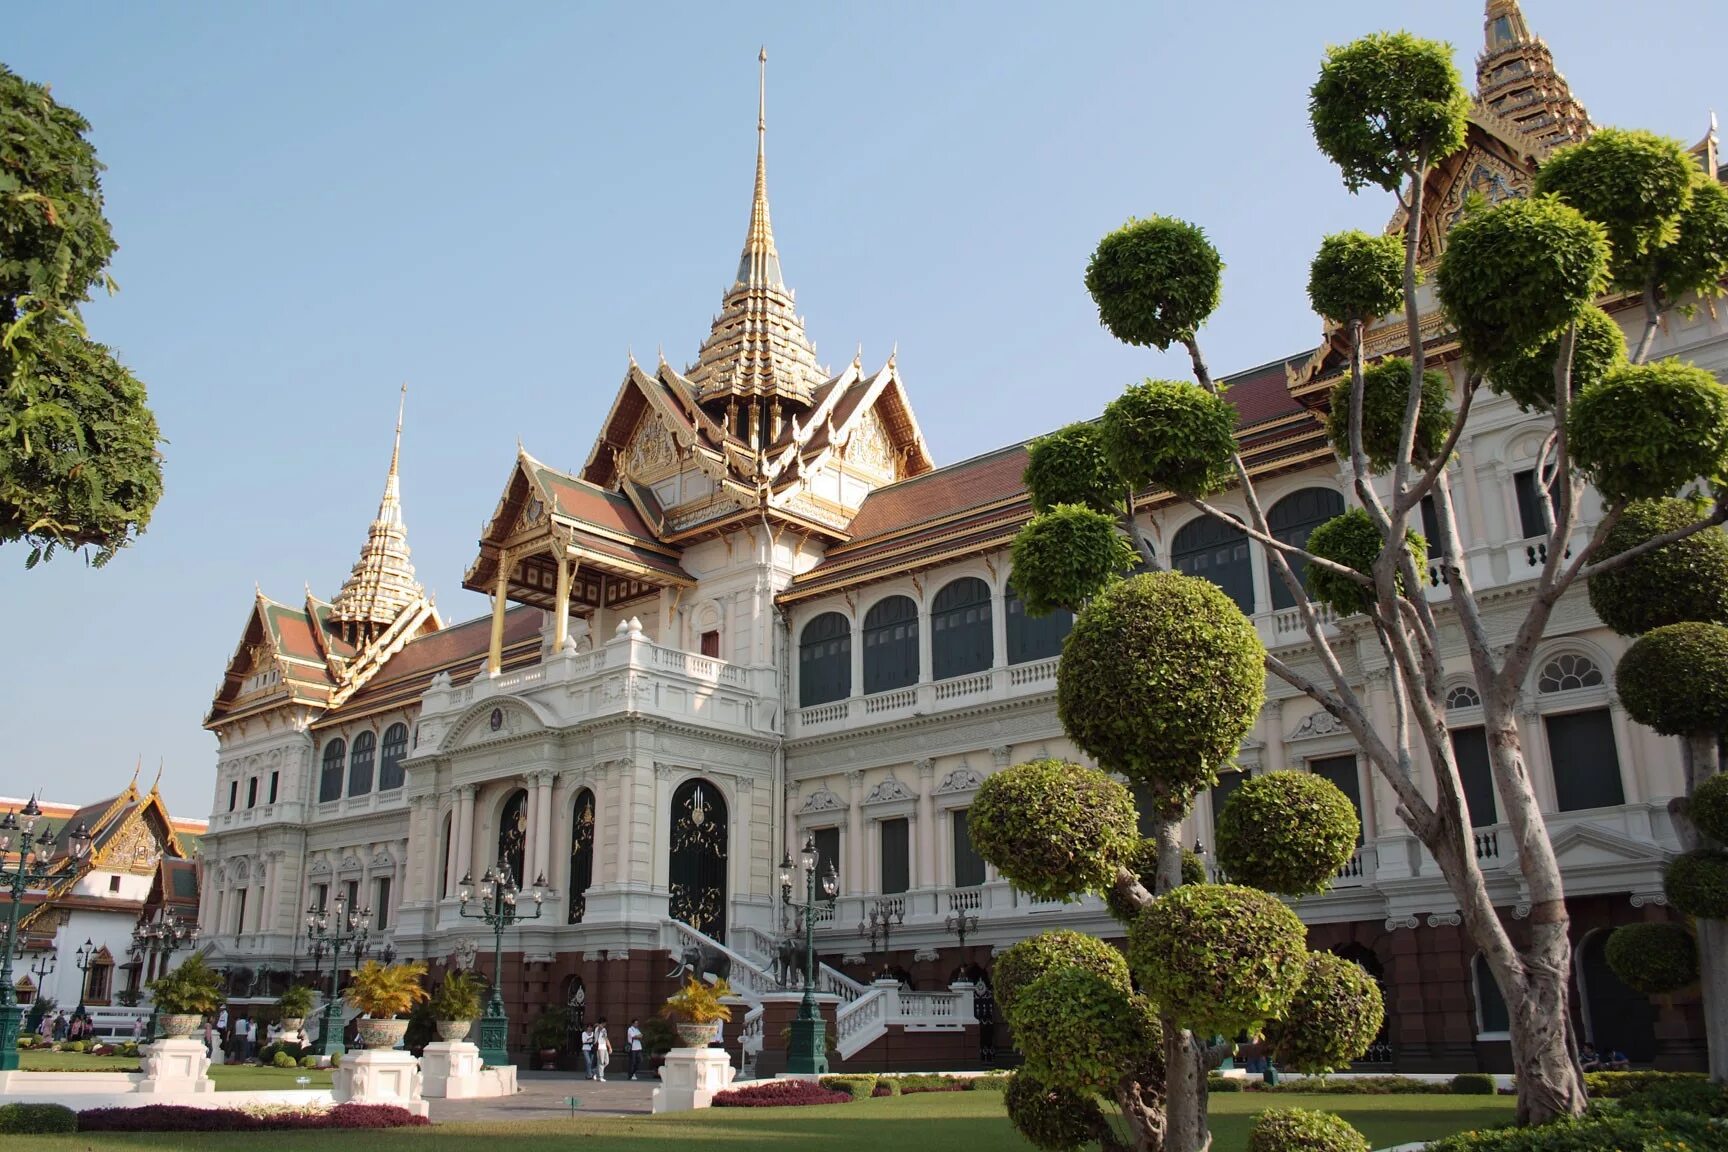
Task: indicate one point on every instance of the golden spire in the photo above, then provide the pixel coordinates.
(759, 266)
(382, 583)
(1517, 81)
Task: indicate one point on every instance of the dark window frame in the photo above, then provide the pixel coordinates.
(825, 659)
(1032, 637)
(1206, 546)
(962, 631)
(334, 771)
(1292, 523)
(392, 750)
(362, 759)
(890, 638)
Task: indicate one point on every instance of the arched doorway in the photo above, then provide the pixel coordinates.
(1380, 1051)
(1615, 1017)
(697, 864)
(581, 854)
(513, 834)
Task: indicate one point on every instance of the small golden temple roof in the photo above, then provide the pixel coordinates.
(382, 584)
(1516, 80)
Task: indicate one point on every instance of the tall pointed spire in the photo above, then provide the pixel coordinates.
(759, 266)
(1517, 81)
(382, 583)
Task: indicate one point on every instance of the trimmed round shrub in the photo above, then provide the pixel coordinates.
(1300, 1130)
(1080, 1031)
(283, 1060)
(1633, 183)
(1385, 389)
(1647, 429)
(1357, 276)
(1686, 580)
(1697, 260)
(1332, 1019)
(1675, 679)
(1696, 883)
(1054, 828)
(1383, 103)
(1515, 274)
(780, 1094)
(1173, 434)
(1595, 1132)
(1155, 281)
(1598, 348)
(1058, 948)
(1160, 680)
(1653, 958)
(1707, 807)
(1069, 466)
(1473, 1084)
(1145, 866)
(1066, 556)
(1287, 832)
(37, 1119)
(1352, 539)
(1055, 1119)
(1220, 958)
(1695, 1097)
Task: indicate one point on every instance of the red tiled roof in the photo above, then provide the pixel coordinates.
(459, 648)
(980, 480)
(589, 503)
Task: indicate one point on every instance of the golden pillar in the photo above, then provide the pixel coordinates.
(561, 606)
(495, 654)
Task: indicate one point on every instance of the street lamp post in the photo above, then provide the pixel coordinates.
(161, 938)
(963, 924)
(885, 916)
(349, 927)
(42, 967)
(34, 860)
(82, 959)
(807, 1054)
(498, 893)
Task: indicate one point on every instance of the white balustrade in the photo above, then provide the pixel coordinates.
(890, 701)
(961, 686)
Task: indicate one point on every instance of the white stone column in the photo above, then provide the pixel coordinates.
(661, 839)
(542, 824)
(464, 833)
(855, 833)
(926, 823)
(741, 849)
(626, 816)
(999, 625)
(529, 783)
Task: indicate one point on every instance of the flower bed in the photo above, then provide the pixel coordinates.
(178, 1118)
(779, 1094)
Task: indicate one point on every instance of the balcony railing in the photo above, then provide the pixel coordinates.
(1030, 679)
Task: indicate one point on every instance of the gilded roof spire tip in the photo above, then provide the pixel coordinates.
(1516, 79)
(401, 408)
(382, 582)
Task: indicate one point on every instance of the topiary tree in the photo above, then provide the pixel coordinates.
(1598, 347)
(1070, 466)
(1385, 387)
(1299, 1130)
(1684, 580)
(1353, 543)
(1696, 883)
(1055, 1119)
(1054, 828)
(1058, 948)
(1645, 430)
(1654, 959)
(1287, 832)
(79, 467)
(1332, 1019)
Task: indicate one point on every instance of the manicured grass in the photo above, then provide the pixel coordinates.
(228, 1077)
(74, 1062)
(935, 1122)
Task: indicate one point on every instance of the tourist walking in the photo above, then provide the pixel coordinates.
(588, 1049)
(633, 1039)
(137, 1028)
(602, 1049)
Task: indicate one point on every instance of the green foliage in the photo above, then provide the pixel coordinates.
(1528, 377)
(1066, 556)
(296, 1002)
(1051, 951)
(283, 1060)
(1675, 679)
(1617, 1085)
(1220, 958)
(992, 1082)
(192, 989)
(1155, 281)
(1299, 1130)
(1053, 828)
(1635, 184)
(1697, 260)
(1515, 274)
(1654, 958)
(1080, 1031)
(1385, 391)
(698, 1002)
(1647, 429)
(1695, 1096)
(1144, 865)
(1594, 1132)
(860, 1087)
(550, 1028)
(1686, 580)
(1385, 103)
(1332, 1019)
(36, 1119)
(1287, 832)
(1052, 1118)
(308, 1061)
(1707, 808)
(1473, 1084)
(1352, 539)
(1160, 679)
(1696, 883)
(659, 1036)
(458, 997)
(1217, 1083)
(384, 991)
(1069, 466)
(1173, 434)
(1357, 277)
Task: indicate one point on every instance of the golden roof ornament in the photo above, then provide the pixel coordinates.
(382, 584)
(1517, 81)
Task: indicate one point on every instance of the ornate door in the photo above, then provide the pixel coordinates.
(513, 834)
(698, 857)
(581, 854)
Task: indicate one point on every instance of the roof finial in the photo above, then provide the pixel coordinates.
(1503, 25)
(762, 99)
(401, 407)
(759, 267)
(154, 784)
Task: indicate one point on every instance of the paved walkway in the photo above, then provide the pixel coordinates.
(544, 1095)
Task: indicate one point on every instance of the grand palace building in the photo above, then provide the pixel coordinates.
(761, 612)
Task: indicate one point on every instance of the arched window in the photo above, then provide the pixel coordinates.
(1034, 637)
(395, 749)
(1491, 1015)
(513, 834)
(825, 660)
(1568, 672)
(1581, 747)
(330, 779)
(696, 865)
(360, 764)
(1292, 520)
(1462, 696)
(1615, 1016)
(960, 640)
(581, 854)
(891, 645)
(1218, 552)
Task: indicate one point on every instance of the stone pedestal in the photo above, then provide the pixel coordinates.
(175, 1067)
(451, 1070)
(377, 1076)
(690, 1077)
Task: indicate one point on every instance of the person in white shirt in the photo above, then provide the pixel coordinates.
(588, 1049)
(602, 1049)
(633, 1038)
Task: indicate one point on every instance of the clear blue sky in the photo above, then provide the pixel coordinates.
(496, 202)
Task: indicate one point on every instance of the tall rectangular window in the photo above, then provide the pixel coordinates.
(351, 889)
(239, 910)
(827, 850)
(968, 865)
(275, 779)
(252, 792)
(1470, 750)
(1341, 770)
(233, 795)
(1585, 763)
(1228, 782)
(320, 896)
(381, 909)
(1529, 497)
(1431, 526)
(896, 855)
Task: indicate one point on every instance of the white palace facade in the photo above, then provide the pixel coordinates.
(760, 612)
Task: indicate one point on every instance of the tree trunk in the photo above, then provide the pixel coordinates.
(1699, 756)
(1185, 1127)
(1550, 1084)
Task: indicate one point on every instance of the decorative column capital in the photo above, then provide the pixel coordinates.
(466, 791)
(662, 770)
(926, 768)
(1000, 755)
(855, 778)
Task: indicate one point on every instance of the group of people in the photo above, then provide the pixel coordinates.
(1592, 1061)
(58, 1026)
(597, 1049)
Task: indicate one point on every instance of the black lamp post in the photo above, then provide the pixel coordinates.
(161, 938)
(498, 893)
(332, 933)
(34, 861)
(962, 924)
(42, 967)
(807, 1054)
(82, 958)
(885, 916)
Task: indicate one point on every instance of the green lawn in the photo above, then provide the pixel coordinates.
(935, 1122)
(228, 1077)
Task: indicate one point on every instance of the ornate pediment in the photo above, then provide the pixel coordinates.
(822, 800)
(889, 791)
(320, 867)
(962, 779)
(134, 849)
(870, 447)
(1318, 724)
(652, 451)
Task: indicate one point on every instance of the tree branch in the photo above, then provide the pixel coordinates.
(1271, 541)
(1413, 495)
